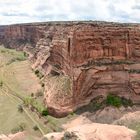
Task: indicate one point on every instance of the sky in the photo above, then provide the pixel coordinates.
(26, 11)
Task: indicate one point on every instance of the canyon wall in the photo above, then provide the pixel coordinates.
(80, 60)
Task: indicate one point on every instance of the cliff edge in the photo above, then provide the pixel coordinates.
(80, 60)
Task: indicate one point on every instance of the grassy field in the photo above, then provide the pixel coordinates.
(17, 78)
(136, 127)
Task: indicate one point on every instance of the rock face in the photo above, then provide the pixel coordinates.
(17, 36)
(83, 128)
(94, 131)
(88, 58)
(17, 136)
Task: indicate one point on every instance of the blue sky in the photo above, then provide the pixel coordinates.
(24, 11)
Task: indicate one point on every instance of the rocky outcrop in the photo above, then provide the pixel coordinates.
(17, 136)
(83, 128)
(94, 131)
(88, 58)
(17, 36)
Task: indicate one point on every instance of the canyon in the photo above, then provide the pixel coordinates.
(80, 61)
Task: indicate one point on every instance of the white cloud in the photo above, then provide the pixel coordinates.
(22, 11)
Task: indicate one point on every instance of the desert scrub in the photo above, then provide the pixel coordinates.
(20, 108)
(42, 84)
(113, 100)
(126, 102)
(96, 104)
(18, 58)
(117, 101)
(39, 107)
(21, 127)
(35, 128)
(70, 135)
(1, 83)
(38, 74)
(25, 54)
(101, 102)
(12, 54)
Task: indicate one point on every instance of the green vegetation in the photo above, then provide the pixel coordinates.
(21, 127)
(25, 54)
(42, 84)
(96, 104)
(36, 72)
(18, 82)
(44, 112)
(1, 84)
(126, 102)
(113, 100)
(39, 74)
(20, 108)
(35, 128)
(135, 126)
(15, 59)
(29, 101)
(11, 55)
(70, 135)
(101, 102)
(117, 101)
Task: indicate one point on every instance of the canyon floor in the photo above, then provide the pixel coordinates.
(18, 81)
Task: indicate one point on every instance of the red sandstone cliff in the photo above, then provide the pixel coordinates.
(91, 59)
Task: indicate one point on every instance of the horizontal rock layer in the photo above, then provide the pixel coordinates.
(91, 58)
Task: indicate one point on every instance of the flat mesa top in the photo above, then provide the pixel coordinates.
(99, 23)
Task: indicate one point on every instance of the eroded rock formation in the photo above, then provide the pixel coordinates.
(94, 131)
(80, 60)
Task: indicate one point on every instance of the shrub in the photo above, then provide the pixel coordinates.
(71, 113)
(113, 100)
(21, 127)
(39, 107)
(28, 101)
(70, 135)
(35, 128)
(39, 74)
(25, 54)
(97, 106)
(42, 84)
(32, 94)
(44, 112)
(118, 101)
(126, 102)
(15, 130)
(36, 72)
(20, 108)
(1, 84)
